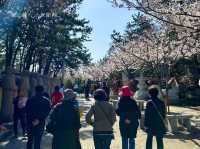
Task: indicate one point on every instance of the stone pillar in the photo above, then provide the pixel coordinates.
(9, 92)
(33, 83)
(24, 84)
(40, 80)
(46, 84)
(142, 93)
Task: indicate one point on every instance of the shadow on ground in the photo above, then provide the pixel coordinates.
(20, 143)
(182, 136)
(86, 134)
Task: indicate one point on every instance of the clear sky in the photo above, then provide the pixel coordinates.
(103, 19)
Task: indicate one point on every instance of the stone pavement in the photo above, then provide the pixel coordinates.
(182, 140)
(179, 141)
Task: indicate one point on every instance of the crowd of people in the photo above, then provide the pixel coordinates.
(129, 113)
(63, 122)
(90, 88)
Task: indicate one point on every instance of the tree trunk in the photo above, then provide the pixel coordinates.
(47, 67)
(28, 61)
(40, 62)
(9, 52)
(40, 67)
(29, 57)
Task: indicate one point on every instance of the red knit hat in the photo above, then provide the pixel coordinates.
(125, 91)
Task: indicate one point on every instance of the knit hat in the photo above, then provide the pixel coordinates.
(125, 91)
(69, 94)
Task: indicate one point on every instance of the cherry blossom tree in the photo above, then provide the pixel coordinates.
(180, 13)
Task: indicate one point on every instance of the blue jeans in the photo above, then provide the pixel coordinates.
(128, 143)
(102, 141)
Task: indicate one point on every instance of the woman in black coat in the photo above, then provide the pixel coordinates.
(154, 119)
(65, 123)
(129, 114)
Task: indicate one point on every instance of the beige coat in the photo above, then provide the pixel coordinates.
(103, 121)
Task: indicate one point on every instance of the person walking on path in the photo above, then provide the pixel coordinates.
(154, 119)
(106, 88)
(57, 96)
(87, 88)
(129, 114)
(37, 110)
(104, 119)
(19, 114)
(64, 123)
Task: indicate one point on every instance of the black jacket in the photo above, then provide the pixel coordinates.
(128, 109)
(17, 110)
(66, 116)
(37, 107)
(66, 124)
(107, 90)
(153, 121)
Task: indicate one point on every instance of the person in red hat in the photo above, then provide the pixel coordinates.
(129, 114)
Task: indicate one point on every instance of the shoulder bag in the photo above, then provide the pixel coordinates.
(164, 120)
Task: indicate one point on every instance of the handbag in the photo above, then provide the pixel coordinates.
(164, 120)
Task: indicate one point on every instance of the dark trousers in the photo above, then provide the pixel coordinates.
(102, 141)
(87, 94)
(128, 143)
(17, 118)
(34, 137)
(159, 140)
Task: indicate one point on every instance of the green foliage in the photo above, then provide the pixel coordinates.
(172, 35)
(116, 37)
(47, 37)
(138, 26)
(68, 83)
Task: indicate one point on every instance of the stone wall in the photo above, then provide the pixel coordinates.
(25, 87)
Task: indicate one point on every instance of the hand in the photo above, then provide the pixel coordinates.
(77, 132)
(2, 128)
(35, 122)
(127, 121)
(145, 129)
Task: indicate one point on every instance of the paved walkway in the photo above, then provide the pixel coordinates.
(179, 141)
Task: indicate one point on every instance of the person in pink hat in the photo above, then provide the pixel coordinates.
(129, 114)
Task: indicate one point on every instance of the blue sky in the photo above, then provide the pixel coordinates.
(104, 19)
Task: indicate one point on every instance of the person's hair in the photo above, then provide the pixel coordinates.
(100, 95)
(69, 94)
(39, 89)
(153, 92)
(105, 83)
(57, 88)
(46, 95)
